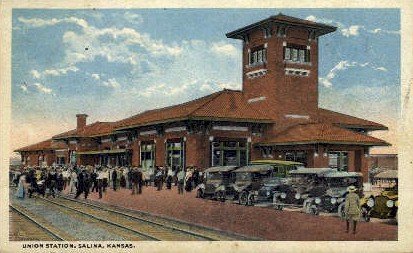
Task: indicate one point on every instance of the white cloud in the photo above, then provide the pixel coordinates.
(40, 87)
(52, 72)
(111, 43)
(111, 82)
(155, 89)
(222, 48)
(38, 22)
(95, 76)
(181, 71)
(312, 18)
(381, 68)
(23, 87)
(382, 31)
(114, 44)
(350, 30)
(343, 65)
(133, 17)
(206, 87)
(35, 74)
(231, 86)
(59, 72)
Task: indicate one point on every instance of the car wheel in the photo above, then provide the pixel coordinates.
(200, 193)
(306, 205)
(243, 198)
(250, 200)
(277, 204)
(365, 214)
(221, 196)
(314, 210)
(340, 211)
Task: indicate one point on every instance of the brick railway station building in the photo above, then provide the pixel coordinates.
(275, 115)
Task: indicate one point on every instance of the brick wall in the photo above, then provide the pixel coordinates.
(289, 94)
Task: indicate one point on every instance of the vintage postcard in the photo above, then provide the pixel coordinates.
(270, 127)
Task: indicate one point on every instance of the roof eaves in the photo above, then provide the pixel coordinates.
(236, 34)
(269, 121)
(150, 123)
(369, 127)
(322, 142)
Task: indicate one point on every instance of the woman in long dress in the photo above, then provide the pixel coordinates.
(21, 191)
(73, 182)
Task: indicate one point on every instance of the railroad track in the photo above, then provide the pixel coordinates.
(25, 227)
(207, 233)
(144, 229)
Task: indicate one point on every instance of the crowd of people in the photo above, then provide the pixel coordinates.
(78, 180)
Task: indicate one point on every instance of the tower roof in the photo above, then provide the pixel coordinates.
(319, 28)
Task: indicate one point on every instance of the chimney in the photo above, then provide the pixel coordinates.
(81, 121)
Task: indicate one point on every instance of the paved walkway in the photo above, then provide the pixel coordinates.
(259, 222)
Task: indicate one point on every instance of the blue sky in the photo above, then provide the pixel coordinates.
(112, 64)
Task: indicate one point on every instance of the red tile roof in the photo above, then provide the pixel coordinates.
(43, 145)
(94, 129)
(321, 133)
(327, 116)
(223, 105)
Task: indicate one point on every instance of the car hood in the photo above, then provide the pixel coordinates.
(239, 186)
(336, 191)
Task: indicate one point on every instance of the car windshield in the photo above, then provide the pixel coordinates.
(243, 176)
(304, 179)
(214, 176)
(342, 181)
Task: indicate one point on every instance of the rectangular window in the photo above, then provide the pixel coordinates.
(147, 155)
(229, 153)
(175, 155)
(338, 160)
(296, 53)
(287, 53)
(301, 55)
(258, 56)
(297, 156)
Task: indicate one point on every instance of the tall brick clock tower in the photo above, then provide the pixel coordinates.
(280, 62)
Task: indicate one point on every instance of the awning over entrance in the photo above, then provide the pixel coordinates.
(99, 152)
(321, 133)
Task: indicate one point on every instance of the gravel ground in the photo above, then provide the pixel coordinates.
(265, 223)
(75, 227)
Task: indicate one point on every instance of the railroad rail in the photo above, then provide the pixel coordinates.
(143, 228)
(26, 227)
(200, 231)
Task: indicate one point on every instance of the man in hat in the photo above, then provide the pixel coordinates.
(352, 208)
(181, 180)
(135, 179)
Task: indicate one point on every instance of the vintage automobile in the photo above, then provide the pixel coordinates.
(218, 183)
(336, 184)
(271, 185)
(281, 168)
(386, 203)
(303, 185)
(249, 180)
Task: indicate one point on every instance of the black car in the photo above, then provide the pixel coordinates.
(302, 185)
(252, 181)
(217, 185)
(336, 184)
